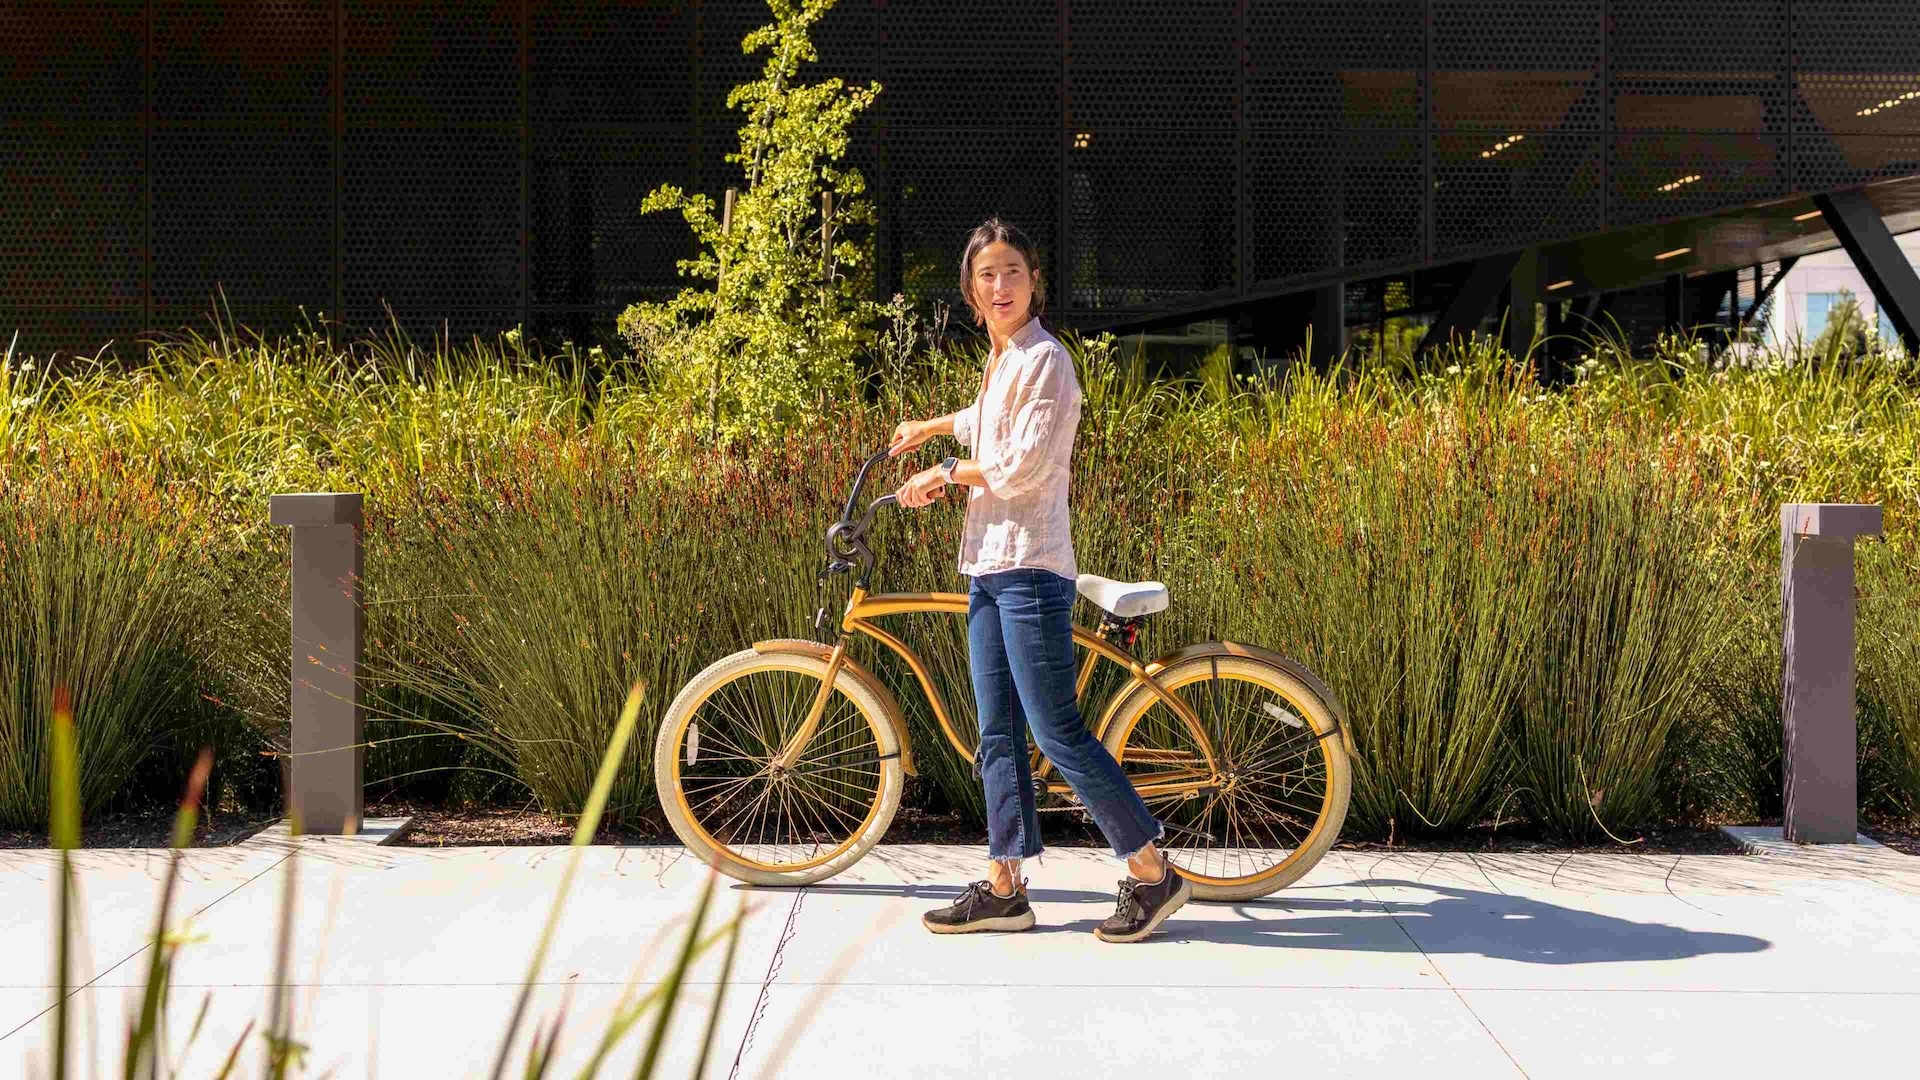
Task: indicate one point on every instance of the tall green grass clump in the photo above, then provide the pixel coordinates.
(1887, 641)
(99, 593)
(1499, 578)
(1631, 618)
(1388, 557)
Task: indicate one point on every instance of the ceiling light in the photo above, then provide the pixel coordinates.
(1888, 104)
(1671, 254)
(1501, 145)
(1559, 284)
(1809, 215)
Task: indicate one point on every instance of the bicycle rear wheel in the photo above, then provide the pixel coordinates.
(735, 808)
(1284, 777)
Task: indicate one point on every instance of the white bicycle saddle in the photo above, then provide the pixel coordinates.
(1127, 599)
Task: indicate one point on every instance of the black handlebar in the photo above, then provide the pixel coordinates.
(859, 482)
(846, 538)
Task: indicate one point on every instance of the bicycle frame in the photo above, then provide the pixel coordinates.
(862, 608)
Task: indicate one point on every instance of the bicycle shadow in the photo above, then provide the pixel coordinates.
(1457, 921)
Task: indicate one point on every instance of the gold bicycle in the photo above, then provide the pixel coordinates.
(782, 764)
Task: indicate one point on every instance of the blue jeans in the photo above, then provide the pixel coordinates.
(1020, 646)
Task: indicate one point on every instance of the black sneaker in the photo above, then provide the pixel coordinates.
(1143, 907)
(979, 909)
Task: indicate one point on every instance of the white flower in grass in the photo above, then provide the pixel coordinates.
(1453, 369)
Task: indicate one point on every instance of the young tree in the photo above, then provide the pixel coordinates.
(770, 340)
(1846, 330)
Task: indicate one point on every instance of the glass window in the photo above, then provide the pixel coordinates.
(1818, 305)
(1887, 332)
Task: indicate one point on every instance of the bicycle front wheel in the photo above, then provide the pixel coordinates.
(1282, 783)
(737, 809)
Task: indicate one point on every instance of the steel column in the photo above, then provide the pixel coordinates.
(1858, 226)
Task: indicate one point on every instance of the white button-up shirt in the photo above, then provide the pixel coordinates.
(1020, 429)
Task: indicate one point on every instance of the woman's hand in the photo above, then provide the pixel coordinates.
(922, 488)
(909, 434)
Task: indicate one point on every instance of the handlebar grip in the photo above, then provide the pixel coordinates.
(859, 482)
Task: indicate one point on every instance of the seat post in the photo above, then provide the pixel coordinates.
(1123, 631)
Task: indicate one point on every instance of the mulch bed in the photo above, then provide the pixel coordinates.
(1902, 836)
(441, 826)
(148, 829)
(1513, 839)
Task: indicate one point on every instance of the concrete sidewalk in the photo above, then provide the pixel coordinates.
(407, 962)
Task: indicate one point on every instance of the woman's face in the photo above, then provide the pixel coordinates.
(1002, 286)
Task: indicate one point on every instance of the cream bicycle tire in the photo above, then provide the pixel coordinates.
(1326, 737)
(670, 749)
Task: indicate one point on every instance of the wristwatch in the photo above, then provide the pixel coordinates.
(947, 467)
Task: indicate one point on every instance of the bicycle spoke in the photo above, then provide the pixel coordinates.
(1277, 773)
(781, 817)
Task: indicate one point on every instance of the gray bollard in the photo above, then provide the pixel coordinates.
(1821, 785)
(329, 627)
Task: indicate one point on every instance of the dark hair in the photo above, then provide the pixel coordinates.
(990, 231)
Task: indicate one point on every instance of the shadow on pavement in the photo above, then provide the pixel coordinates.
(1459, 921)
(1456, 921)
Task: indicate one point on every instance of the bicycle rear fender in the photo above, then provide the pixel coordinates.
(1291, 667)
(895, 718)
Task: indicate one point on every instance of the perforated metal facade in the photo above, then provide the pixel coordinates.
(477, 163)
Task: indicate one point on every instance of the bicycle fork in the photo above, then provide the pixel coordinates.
(804, 734)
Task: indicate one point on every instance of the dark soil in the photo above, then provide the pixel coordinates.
(1902, 835)
(1515, 838)
(442, 826)
(149, 829)
(436, 827)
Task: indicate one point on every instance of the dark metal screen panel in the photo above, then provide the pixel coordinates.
(75, 63)
(1321, 201)
(946, 181)
(71, 218)
(73, 169)
(1660, 177)
(1510, 67)
(45, 329)
(1152, 168)
(431, 181)
(262, 64)
(1152, 214)
(244, 214)
(432, 63)
(610, 62)
(592, 246)
(1824, 163)
(1314, 64)
(1704, 65)
(432, 226)
(1857, 67)
(242, 164)
(1494, 194)
(1150, 147)
(1134, 62)
(611, 116)
(975, 65)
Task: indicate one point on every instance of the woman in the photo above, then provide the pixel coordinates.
(1018, 553)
